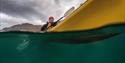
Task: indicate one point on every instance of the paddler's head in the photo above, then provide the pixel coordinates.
(51, 19)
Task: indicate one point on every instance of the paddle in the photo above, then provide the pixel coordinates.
(66, 13)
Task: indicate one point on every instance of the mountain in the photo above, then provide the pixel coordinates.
(23, 27)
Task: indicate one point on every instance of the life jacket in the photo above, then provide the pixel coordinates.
(48, 26)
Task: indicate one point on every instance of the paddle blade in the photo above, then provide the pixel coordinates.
(69, 11)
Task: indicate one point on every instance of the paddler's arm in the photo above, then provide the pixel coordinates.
(44, 27)
(55, 23)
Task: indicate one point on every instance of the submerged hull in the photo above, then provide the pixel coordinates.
(104, 45)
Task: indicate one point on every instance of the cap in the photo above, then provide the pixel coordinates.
(51, 17)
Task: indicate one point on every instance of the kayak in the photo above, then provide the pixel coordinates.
(93, 14)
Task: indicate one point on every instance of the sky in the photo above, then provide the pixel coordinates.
(36, 12)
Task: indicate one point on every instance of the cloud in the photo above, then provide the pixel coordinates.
(33, 11)
(20, 8)
(7, 21)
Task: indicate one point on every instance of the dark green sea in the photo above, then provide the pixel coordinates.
(103, 45)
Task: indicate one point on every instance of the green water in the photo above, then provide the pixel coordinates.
(24, 47)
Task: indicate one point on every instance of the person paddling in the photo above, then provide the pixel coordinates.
(49, 24)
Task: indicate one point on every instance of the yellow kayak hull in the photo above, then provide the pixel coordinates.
(93, 14)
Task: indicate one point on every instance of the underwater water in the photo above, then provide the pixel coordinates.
(104, 45)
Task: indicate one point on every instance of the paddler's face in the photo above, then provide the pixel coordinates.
(51, 20)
